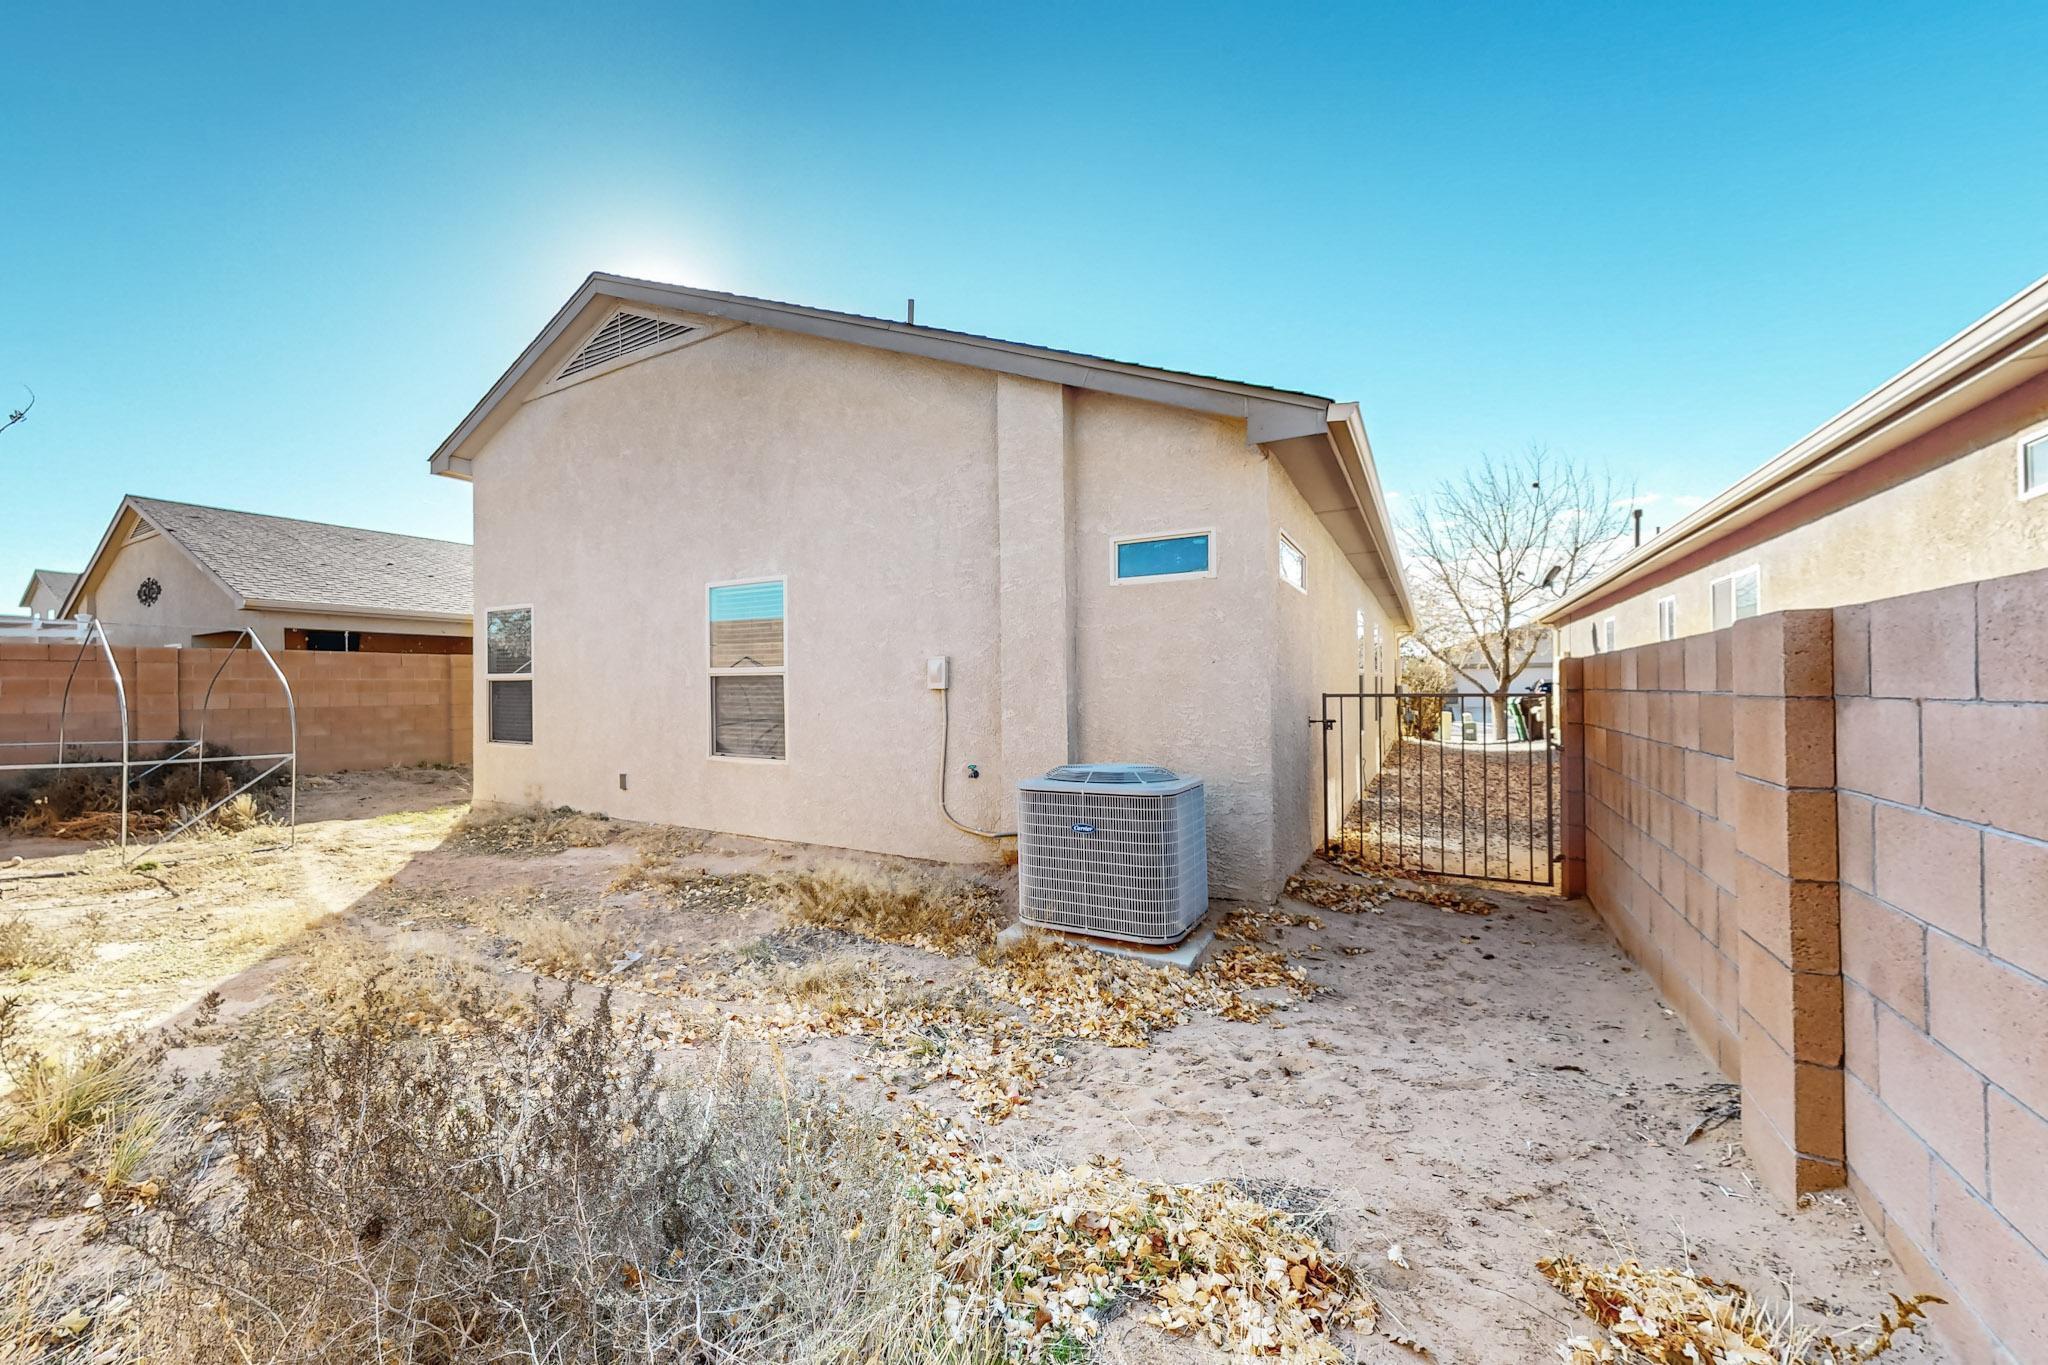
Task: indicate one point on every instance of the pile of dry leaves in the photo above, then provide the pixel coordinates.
(1049, 1254)
(1674, 1317)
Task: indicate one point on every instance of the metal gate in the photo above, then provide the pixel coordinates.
(1451, 783)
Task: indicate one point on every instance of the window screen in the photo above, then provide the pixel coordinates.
(746, 715)
(1293, 564)
(749, 661)
(1162, 558)
(1745, 595)
(512, 712)
(2034, 465)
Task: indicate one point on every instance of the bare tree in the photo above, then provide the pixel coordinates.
(1494, 544)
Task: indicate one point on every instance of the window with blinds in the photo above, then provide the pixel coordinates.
(749, 664)
(508, 667)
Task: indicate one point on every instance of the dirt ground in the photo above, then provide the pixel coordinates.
(1468, 810)
(1460, 1094)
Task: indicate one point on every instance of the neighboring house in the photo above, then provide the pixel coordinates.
(856, 568)
(1476, 683)
(47, 589)
(1477, 677)
(170, 573)
(1934, 479)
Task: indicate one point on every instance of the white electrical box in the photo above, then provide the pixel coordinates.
(935, 673)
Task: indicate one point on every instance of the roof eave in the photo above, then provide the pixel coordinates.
(344, 609)
(1995, 353)
(1268, 414)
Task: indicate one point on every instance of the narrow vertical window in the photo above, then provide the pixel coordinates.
(508, 673)
(1737, 597)
(1293, 564)
(1667, 618)
(749, 659)
(1607, 635)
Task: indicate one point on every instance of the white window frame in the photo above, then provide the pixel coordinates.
(1286, 544)
(1607, 635)
(711, 711)
(1667, 618)
(1749, 570)
(532, 616)
(1121, 541)
(2027, 438)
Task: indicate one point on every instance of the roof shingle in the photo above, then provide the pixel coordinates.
(281, 559)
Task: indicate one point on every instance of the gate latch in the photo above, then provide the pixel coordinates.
(1328, 724)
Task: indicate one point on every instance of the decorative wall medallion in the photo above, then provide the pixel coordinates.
(149, 592)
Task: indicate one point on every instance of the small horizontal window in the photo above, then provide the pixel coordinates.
(2034, 466)
(1165, 557)
(1293, 564)
(1736, 597)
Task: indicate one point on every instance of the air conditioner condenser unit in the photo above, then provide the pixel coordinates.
(1118, 850)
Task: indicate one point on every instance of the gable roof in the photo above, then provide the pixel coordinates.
(55, 580)
(1303, 429)
(1994, 354)
(267, 562)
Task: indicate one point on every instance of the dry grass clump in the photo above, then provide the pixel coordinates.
(533, 831)
(1675, 1317)
(549, 1191)
(573, 948)
(941, 912)
(25, 948)
(104, 1090)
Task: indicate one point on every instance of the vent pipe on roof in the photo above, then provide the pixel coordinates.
(911, 310)
(1638, 515)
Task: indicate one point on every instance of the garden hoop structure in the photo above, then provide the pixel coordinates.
(177, 749)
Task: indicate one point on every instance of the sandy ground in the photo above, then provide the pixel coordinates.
(1477, 1091)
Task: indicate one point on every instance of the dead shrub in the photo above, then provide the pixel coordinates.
(941, 912)
(533, 831)
(85, 803)
(548, 1191)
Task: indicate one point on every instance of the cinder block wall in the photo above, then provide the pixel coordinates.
(1825, 835)
(354, 710)
(1657, 732)
(1942, 740)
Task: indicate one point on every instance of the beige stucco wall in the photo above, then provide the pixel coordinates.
(43, 601)
(1943, 509)
(915, 509)
(192, 603)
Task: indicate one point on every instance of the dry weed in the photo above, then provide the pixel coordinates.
(941, 912)
(568, 948)
(532, 831)
(1675, 1317)
(25, 948)
(551, 1192)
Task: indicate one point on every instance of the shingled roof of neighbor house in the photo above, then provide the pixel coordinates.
(58, 581)
(284, 562)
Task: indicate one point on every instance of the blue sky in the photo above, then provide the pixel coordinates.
(267, 257)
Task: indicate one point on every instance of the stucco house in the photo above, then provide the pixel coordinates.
(1933, 479)
(46, 591)
(862, 576)
(172, 573)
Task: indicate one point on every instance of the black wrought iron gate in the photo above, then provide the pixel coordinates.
(1454, 783)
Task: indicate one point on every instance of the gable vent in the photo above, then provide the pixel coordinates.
(624, 334)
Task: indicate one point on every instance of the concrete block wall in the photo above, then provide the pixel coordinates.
(1653, 730)
(1825, 835)
(1942, 805)
(354, 710)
